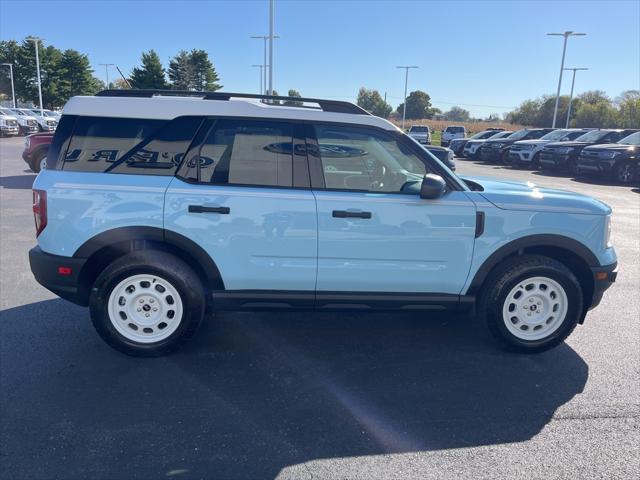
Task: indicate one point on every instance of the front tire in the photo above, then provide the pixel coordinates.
(147, 303)
(624, 172)
(531, 303)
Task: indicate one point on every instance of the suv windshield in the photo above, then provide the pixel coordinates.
(633, 139)
(519, 134)
(555, 135)
(419, 129)
(592, 136)
(484, 134)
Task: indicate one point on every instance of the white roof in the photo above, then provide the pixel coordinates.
(169, 107)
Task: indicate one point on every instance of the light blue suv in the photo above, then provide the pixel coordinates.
(157, 207)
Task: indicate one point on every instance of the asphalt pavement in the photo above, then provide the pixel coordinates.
(323, 396)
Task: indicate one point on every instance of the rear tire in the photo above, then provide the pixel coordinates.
(531, 303)
(147, 303)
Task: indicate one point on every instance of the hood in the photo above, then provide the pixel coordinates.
(531, 142)
(618, 147)
(567, 144)
(512, 195)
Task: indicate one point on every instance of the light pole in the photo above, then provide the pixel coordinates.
(106, 71)
(566, 35)
(35, 41)
(406, 80)
(271, 47)
(13, 91)
(573, 81)
(264, 59)
(261, 78)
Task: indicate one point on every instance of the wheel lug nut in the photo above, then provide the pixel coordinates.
(139, 309)
(141, 300)
(155, 309)
(151, 300)
(146, 314)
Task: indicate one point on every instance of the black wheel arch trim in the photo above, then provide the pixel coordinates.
(518, 245)
(157, 236)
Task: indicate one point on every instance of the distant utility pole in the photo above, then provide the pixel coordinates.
(261, 77)
(573, 81)
(35, 40)
(106, 70)
(566, 35)
(406, 80)
(264, 54)
(13, 91)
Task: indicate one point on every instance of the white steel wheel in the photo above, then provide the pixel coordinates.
(145, 308)
(535, 308)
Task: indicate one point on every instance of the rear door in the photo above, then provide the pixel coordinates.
(375, 232)
(244, 197)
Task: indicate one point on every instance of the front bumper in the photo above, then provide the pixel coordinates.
(594, 166)
(6, 130)
(491, 154)
(554, 160)
(45, 268)
(603, 278)
(520, 156)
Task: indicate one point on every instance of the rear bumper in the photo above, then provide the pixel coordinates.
(45, 268)
(603, 278)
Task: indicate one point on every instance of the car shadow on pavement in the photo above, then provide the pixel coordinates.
(254, 393)
(22, 182)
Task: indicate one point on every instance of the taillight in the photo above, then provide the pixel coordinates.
(40, 210)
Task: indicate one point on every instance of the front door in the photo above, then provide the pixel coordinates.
(375, 233)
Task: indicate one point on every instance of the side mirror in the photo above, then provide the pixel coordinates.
(433, 186)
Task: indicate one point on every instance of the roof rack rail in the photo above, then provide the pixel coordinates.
(335, 106)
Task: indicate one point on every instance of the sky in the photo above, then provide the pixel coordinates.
(486, 56)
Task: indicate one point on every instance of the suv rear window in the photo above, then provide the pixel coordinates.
(455, 130)
(129, 145)
(419, 129)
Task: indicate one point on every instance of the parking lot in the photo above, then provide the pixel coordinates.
(327, 396)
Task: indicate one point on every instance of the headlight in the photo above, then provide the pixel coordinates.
(609, 154)
(565, 150)
(529, 147)
(607, 232)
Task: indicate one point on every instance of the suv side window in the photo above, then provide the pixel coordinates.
(363, 159)
(129, 145)
(247, 152)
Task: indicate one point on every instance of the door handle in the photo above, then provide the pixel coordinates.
(348, 214)
(204, 209)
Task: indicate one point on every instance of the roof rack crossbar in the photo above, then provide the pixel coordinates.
(335, 106)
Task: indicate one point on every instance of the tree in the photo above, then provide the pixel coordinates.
(595, 109)
(9, 50)
(457, 114)
(77, 78)
(293, 103)
(629, 109)
(180, 71)
(193, 71)
(204, 75)
(372, 102)
(418, 105)
(150, 74)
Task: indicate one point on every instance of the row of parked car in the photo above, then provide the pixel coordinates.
(25, 121)
(610, 154)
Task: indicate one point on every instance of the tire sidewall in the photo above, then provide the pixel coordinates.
(190, 295)
(574, 308)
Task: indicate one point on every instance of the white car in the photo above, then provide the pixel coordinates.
(27, 123)
(451, 132)
(421, 133)
(46, 123)
(8, 124)
(472, 148)
(526, 152)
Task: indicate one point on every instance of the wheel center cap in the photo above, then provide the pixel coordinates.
(146, 308)
(533, 308)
